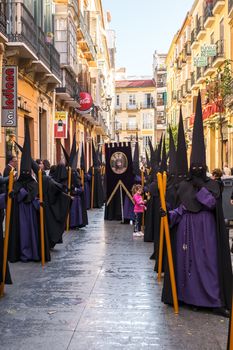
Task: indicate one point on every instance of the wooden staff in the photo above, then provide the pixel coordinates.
(161, 241)
(69, 192)
(92, 187)
(142, 183)
(168, 243)
(82, 178)
(42, 240)
(7, 231)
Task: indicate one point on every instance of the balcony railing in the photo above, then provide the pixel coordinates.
(131, 127)
(230, 5)
(2, 19)
(200, 24)
(174, 95)
(118, 107)
(161, 84)
(179, 96)
(183, 90)
(22, 28)
(69, 85)
(160, 102)
(87, 36)
(209, 63)
(219, 49)
(200, 72)
(132, 106)
(187, 48)
(188, 85)
(147, 105)
(208, 11)
(147, 126)
(193, 35)
(193, 78)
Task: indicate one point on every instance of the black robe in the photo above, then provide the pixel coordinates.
(14, 249)
(3, 181)
(56, 208)
(113, 211)
(98, 188)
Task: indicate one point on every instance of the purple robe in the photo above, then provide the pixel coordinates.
(196, 250)
(87, 190)
(28, 228)
(128, 209)
(76, 218)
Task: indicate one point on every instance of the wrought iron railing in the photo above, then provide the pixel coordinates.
(131, 126)
(208, 11)
(188, 85)
(22, 27)
(87, 36)
(230, 5)
(200, 24)
(3, 19)
(193, 35)
(147, 105)
(188, 48)
(193, 78)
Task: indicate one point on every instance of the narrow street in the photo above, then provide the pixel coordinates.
(99, 292)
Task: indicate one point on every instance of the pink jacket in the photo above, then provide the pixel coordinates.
(138, 203)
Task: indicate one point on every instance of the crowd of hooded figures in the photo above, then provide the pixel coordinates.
(199, 239)
(68, 193)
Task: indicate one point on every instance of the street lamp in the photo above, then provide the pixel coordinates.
(107, 104)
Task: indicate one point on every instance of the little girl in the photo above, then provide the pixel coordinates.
(139, 207)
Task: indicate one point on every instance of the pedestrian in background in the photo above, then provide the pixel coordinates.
(226, 170)
(139, 207)
(216, 175)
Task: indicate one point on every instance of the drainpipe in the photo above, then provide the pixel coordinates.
(1, 66)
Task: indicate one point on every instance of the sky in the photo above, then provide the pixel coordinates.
(143, 26)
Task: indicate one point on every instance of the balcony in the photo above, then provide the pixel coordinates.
(132, 106)
(200, 75)
(161, 84)
(174, 95)
(230, 8)
(178, 64)
(218, 6)
(208, 16)
(179, 96)
(200, 28)
(194, 42)
(187, 48)
(85, 40)
(194, 84)
(118, 107)
(2, 22)
(183, 91)
(220, 54)
(30, 41)
(160, 102)
(188, 86)
(146, 105)
(131, 127)
(69, 89)
(209, 69)
(147, 126)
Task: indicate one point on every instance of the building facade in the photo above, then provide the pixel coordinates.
(160, 78)
(61, 50)
(208, 24)
(135, 111)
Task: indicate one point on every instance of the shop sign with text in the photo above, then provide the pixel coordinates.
(9, 96)
(60, 125)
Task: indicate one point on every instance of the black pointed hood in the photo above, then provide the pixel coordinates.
(75, 161)
(73, 151)
(163, 166)
(198, 155)
(82, 159)
(148, 165)
(181, 153)
(26, 163)
(66, 155)
(35, 166)
(94, 155)
(172, 153)
(160, 149)
(136, 167)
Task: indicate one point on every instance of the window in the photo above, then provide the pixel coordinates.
(146, 141)
(221, 29)
(118, 100)
(147, 121)
(132, 122)
(132, 100)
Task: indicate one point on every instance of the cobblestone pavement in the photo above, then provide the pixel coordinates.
(99, 292)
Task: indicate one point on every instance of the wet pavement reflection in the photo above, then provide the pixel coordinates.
(99, 292)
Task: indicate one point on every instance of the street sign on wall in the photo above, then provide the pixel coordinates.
(60, 125)
(200, 61)
(208, 50)
(9, 96)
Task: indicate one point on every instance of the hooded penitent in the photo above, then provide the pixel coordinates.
(98, 185)
(203, 261)
(181, 155)
(136, 167)
(172, 154)
(163, 164)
